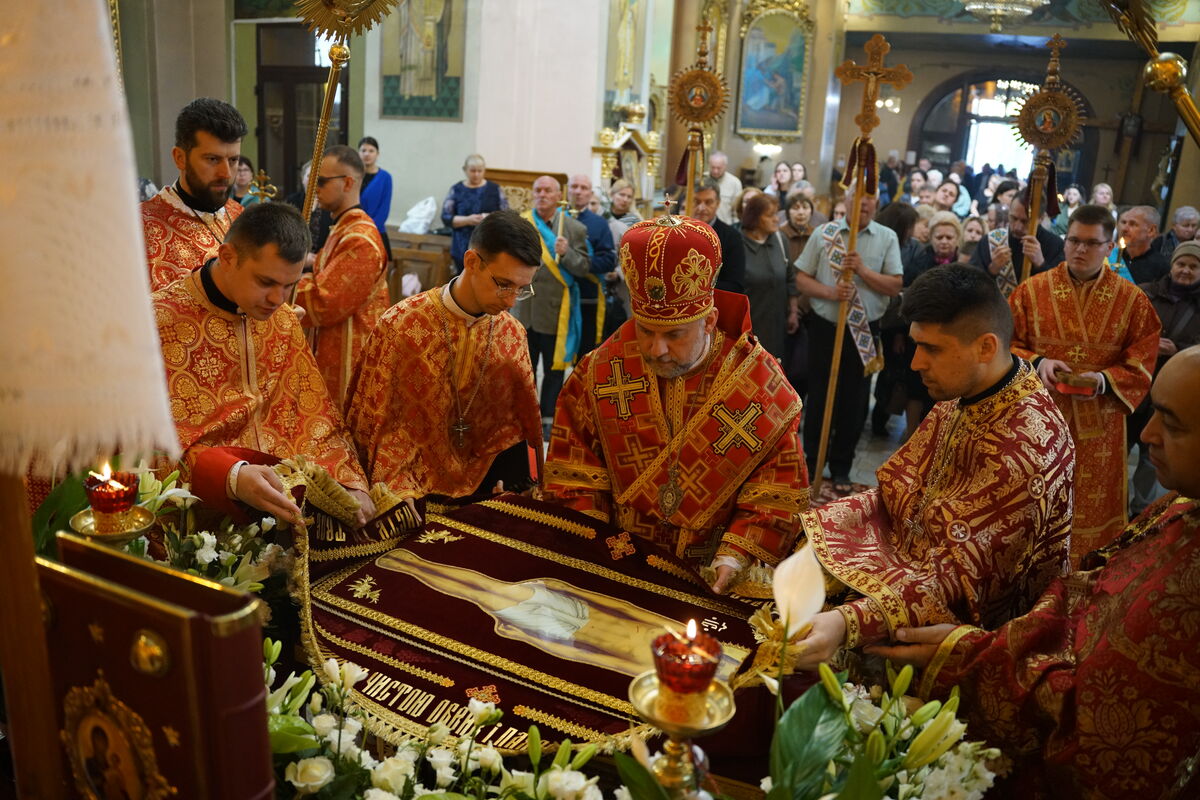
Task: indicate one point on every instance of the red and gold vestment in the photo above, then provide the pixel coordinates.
(236, 382)
(724, 433)
(344, 297)
(180, 239)
(1105, 325)
(401, 407)
(1096, 691)
(970, 521)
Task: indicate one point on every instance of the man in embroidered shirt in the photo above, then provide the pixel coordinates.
(680, 428)
(971, 516)
(185, 223)
(878, 275)
(444, 401)
(244, 386)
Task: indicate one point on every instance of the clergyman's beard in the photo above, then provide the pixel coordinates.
(673, 369)
(214, 196)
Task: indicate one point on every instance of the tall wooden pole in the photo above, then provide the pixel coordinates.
(872, 75)
(1037, 185)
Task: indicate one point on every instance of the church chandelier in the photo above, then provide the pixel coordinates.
(999, 12)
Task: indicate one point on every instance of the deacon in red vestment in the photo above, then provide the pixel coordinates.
(445, 387)
(680, 428)
(346, 292)
(244, 387)
(1082, 320)
(971, 517)
(185, 223)
(1096, 691)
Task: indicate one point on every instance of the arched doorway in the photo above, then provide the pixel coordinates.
(968, 118)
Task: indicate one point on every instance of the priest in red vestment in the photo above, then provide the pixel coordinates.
(244, 387)
(444, 400)
(680, 428)
(185, 223)
(346, 292)
(971, 517)
(1080, 322)
(1096, 691)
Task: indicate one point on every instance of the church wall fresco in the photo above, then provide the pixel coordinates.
(422, 60)
(1078, 13)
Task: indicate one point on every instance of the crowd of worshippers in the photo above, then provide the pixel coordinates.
(996, 551)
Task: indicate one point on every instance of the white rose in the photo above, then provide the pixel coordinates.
(439, 757)
(268, 523)
(565, 784)
(480, 712)
(323, 724)
(351, 727)
(379, 794)
(438, 732)
(344, 747)
(366, 760)
(392, 774)
(351, 674)
(208, 549)
(333, 673)
(309, 775)
(445, 777)
(490, 759)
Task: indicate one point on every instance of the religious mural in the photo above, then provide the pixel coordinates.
(422, 59)
(772, 80)
(1055, 12)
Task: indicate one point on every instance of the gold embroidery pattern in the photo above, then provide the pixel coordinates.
(777, 497)
(737, 429)
(669, 567)
(620, 389)
(353, 551)
(577, 732)
(620, 546)
(751, 548)
(432, 677)
(941, 656)
(365, 588)
(577, 475)
(431, 537)
(484, 694)
(540, 517)
(690, 274)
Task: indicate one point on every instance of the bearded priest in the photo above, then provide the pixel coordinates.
(444, 401)
(681, 428)
(244, 386)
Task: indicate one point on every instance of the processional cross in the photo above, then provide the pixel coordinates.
(872, 75)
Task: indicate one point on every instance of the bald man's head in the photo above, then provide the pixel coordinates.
(579, 191)
(546, 194)
(1173, 432)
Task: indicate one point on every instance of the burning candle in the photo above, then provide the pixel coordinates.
(685, 666)
(111, 496)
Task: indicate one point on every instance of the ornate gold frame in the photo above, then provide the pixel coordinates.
(716, 13)
(98, 699)
(114, 18)
(754, 12)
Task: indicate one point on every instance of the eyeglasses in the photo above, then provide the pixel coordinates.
(506, 290)
(324, 179)
(1086, 244)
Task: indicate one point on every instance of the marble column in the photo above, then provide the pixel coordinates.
(683, 54)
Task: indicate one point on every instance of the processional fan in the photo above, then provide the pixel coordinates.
(1048, 119)
(698, 96)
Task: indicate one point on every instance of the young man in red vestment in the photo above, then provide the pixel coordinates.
(346, 292)
(1096, 691)
(185, 223)
(680, 428)
(1081, 322)
(971, 518)
(444, 399)
(244, 387)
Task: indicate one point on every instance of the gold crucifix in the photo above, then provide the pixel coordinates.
(872, 75)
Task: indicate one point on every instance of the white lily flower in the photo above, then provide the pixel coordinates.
(351, 674)
(490, 759)
(445, 777)
(799, 588)
(333, 673)
(521, 781)
(438, 732)
(439, 757)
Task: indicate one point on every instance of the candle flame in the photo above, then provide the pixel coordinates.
(691, 629)
(105, 474)
(1121, 243)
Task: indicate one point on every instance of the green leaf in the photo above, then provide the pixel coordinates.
(346, 786)
(810, 733)
(637, 779)
(290, 734)
(54, 514)
(860, 781)
(563, 755)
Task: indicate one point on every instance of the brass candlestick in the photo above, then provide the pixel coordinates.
(115, 529)
(675, 769)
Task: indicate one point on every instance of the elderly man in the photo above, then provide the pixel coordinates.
(1092, 337)
(877, 277)
(728, 185)
(346, 292)
(603, 262)
(553, 317)
(1185, 223)
(1096, 691)
(185, 223)
(1138, 227)
(680, 428)
(1045, 250)
(732, 274)
(245, 389)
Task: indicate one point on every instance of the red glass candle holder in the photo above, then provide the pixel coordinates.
(686, 667)
(111, 498)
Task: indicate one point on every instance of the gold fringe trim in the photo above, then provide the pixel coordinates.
(432, 677)
(540, 517)
(669, 567)
(577, 732)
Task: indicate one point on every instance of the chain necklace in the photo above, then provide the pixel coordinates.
(213, 229)
(460, 428)
(670, 496)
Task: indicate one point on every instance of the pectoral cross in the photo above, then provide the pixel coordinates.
(459, 429)
(872, 75)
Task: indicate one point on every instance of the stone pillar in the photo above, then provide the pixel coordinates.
(683, 54)
(820, 145)
(1187, 176)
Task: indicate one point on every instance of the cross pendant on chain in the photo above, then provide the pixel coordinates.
(459, 429)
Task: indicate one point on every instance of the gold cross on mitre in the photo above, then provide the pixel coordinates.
(873, 75)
